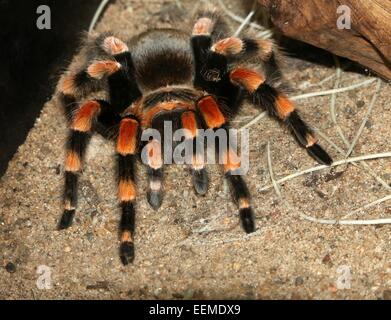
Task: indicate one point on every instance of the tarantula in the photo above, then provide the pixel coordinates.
(160, 75)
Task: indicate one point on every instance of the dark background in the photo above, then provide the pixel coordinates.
(31, 61)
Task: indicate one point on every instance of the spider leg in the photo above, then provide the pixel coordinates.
(239, 189)
(211, 67)
(79, 136)
(123, 86)
(208, 65)
(201, 42)
(199, 172)
(108, 64)
(127, 145)
(215, 119)
(105, 58)
(279, 106)
(258, 86)
(248, 50)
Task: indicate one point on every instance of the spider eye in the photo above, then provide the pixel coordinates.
(212, 75)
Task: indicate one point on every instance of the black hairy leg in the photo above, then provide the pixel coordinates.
(211, 68)
(79, 135)
(214, 119)
(108, 64)
(199, 173)
(279, 106)
(154, 158)
(127, 146)
(260, 89)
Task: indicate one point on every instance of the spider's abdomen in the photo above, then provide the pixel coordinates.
(162, 58)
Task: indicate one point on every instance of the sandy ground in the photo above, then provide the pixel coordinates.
(193, 247)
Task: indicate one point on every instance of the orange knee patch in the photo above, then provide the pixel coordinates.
(244, 203)
(228, 46)
(154, 154)
(126, 190)
(82, 120)
(68, 205)
(203, 26)
(189, 123)
(67, 85)
(311, 140)
(155, 185)
(211, 112)
(72, 161)
(113, 45)
(265, 49)
(250, 79)
(231, 161)
(127, 138)
(99, 69)
(284, 106)
(126, 236)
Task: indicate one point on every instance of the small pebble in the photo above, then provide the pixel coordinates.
(236, 266)
(10, 267)
(326, 259)
(360, 103)
(67, 249)
(368, 124)
(90, 236)
(299, 281)
(157, 292)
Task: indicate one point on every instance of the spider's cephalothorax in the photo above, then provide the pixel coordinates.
(161, 75)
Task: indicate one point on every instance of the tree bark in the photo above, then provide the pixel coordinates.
(315, 21)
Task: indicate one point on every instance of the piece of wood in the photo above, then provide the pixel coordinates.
(368, 42)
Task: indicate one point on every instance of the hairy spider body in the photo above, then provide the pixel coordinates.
(159, 76)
